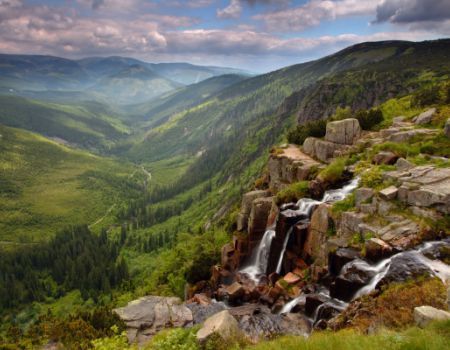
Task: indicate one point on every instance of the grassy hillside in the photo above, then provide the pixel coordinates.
(88, 125)
(46, 186)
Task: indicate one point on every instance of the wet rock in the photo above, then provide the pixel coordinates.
(425, 117)
(235, 292)
(353, 277)
(363, 195)
(221, 323)
(377, 249)
(405, 266)
(257, 222)
(423, 315)
(389, 193)
(447, 128)
(313, 301)
(385, 158)
(246, 206)
(148, 315)
(340, 257)
(344, 132)
(325, 312)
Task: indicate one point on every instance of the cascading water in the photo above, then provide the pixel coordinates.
(260, 257)
(286, 240)
(341, 193)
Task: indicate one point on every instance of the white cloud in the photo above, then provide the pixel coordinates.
(233, 10)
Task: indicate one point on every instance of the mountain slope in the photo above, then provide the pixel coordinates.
(45, 186)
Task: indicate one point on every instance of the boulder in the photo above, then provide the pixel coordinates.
(377, 249)
(425, 117)
(385, 157)
(353, 277)
(321, 149)
(313, 301)
(389, 193)
(235, 292)
(201, 312)
(344, 132)
(363, 195)
(148, 315)
(406, 135)
(447, 128)
(291, 278)
(423, 315)
(222, 324)
(227, 257)
(401, 234)
(350, 222)
(259, 214)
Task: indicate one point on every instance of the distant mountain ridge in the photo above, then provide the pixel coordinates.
(103, 76)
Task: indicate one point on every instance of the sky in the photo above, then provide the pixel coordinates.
(255, 35)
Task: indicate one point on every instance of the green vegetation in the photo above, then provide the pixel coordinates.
(293, 192)
(299, 134)
(333, 172)
(435, 337)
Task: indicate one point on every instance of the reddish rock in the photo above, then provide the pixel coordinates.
(300, 263)
(291, 278)
(377, 249)
(235, 292)
(300, 273)
(227, 257)
(273, 277)
(383, 157)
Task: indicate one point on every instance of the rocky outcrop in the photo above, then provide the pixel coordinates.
(222, 324)
(148, 315)
(344, 132)
(317, 234)
(340, 135)
(246, 206)
(423, 315)
(257, 221)
(289, 165)
(423, 186)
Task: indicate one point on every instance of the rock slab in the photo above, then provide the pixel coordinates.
(221, 323)
(423, 315)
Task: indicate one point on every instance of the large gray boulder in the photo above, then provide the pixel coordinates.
(344, 132)
(148, 315)
(221, 323)
(425, 117)
(423, 315)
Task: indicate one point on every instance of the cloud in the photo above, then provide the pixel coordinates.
(411, 11)
(233, 10)
(313, 13)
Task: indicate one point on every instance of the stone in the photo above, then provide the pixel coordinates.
(423, 315)
(425, 117)
(389, 193)
(313, 301)
(201, 312)
(344, 132)
(403, 164)
(363, 195)
(398, 121)
(377, 249)
(384, 207)
(235, 292)
(320, 149)
(401, 234)
(246, 206)
(221, 323)
(385, 157)
(227, 257)
(406, 135)
(447, 128)
(350, 222)
(291, 278)
(352, 278)
(340, 257)
(259, 214)
(148, 315)
(317, 234)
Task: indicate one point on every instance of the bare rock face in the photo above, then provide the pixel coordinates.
(377, 249)
(221, 323)
(423, 315)
(350, 222)
(363, 195)
(148, 315)
(321, 149)
(385, 158)
(259, 214)
(425, 117)
(401, 235)
(344, 132)
(389, 193)
(317, 234)
(402, 136)
(246, 207)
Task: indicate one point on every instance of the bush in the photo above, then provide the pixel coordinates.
(333, 172)
(372, 177)
(315, 128)
(293, 192)
(369, 119)
(426, 97)
(400, 149)
(343, 205)
(175, 339)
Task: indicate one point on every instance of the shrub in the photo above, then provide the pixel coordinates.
(293, 192)
(427, 96)
(400, 149)
(343, 205)
(333, 172)
(175, 339)
(372, 177)
(315, 128)
(369, 119)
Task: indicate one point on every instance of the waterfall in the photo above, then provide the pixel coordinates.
(289, 306)
(340, 193)
(280, 260)
(260, 257)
